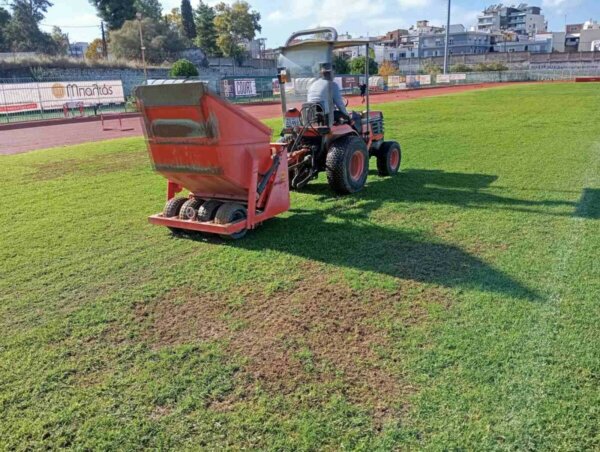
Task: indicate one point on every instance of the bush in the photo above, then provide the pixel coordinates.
(183, 68)
(491, 67)
(431, 68)
(461, 67)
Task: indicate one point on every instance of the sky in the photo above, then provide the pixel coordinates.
(357, 17)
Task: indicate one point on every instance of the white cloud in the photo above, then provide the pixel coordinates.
(275, 16)
(412, 4)
(329, 12)
(555, 3)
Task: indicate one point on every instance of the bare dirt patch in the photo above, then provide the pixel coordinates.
(317, 333)
(183, 317)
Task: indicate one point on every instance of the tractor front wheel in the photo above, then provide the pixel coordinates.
(389, 158)
(231, 212)
(347, 165)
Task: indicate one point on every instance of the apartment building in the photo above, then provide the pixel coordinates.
(522, 19)
(460, 42)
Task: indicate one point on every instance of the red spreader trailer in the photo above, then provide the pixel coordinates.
(235, 177)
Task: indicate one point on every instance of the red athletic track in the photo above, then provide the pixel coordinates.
(14, 141)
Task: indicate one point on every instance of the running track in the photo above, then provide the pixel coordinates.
(14, 141)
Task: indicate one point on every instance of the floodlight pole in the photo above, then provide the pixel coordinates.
(447, 40)
(367, 83)
(142, 47)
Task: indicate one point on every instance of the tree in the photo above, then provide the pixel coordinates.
(4, 21)
(183, 68)
(206, 33)
(173, 18)
(94, 50)
(149, 8)
(61, 41)
(387, 68)
(175, 23)
(357, 66)
(187, 19)
(235, 24)
(160, 40)
(432, 68)
(115, 12)
(340, 65)
(22, 33)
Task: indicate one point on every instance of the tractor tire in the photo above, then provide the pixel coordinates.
(173, 207)
(347, 165)
(208, 210)
(389, 158)
(189, 210)
(231, 212)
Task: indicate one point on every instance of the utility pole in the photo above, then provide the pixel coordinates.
(447, 40)
(142, 47)
(104, 47)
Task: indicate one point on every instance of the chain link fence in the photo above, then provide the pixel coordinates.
(29, 99)
(26, 99)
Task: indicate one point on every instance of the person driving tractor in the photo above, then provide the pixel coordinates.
(318, 93)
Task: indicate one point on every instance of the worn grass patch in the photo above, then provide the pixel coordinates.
(452, 307)
(317, 332)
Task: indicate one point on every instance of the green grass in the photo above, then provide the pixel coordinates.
(453, 307)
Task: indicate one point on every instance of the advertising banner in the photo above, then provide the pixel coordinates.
(443, 78)
(245, 87)
(21, 97)
(227, 88)
(457, 77)
(349, 82)
(393, 81)
(413, 81)
(425, 79)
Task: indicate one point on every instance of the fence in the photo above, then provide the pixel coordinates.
(27, 99)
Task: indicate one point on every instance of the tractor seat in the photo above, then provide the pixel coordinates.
(313, 113)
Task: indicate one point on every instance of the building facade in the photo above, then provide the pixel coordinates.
(523, 19)
(460, 42)
(78, 49)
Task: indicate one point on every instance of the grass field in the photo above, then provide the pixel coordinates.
(453, 307)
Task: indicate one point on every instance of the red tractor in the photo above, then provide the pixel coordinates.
(235, 177)
(340, 146)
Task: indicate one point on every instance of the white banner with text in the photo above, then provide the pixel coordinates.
(22, 97)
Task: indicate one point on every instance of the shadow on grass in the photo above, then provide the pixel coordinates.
(589, 204)
(440, 187)
(368, 247)
(346, 237)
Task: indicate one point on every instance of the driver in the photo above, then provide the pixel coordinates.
(318, 92)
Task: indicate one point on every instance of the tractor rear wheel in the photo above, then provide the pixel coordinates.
(208, 210)
(189, 210)
(389, 158)
(347, 165)
(231, 212)
(173, 207)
